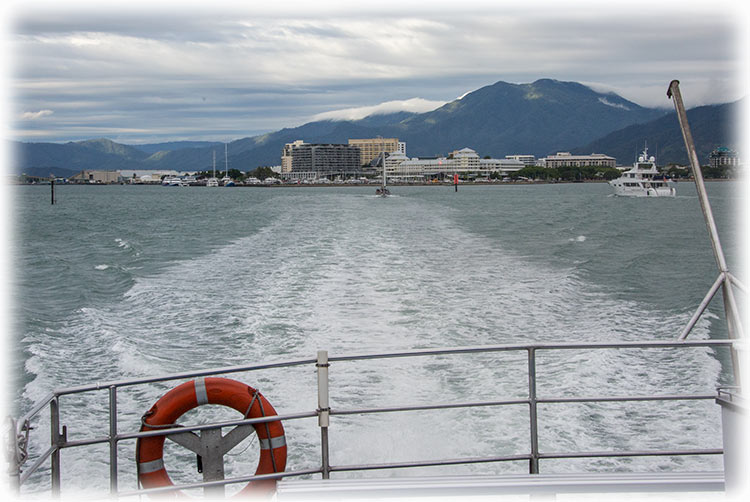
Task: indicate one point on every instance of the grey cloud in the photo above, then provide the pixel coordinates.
(256, 70)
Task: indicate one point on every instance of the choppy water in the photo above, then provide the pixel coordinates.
(130, 281)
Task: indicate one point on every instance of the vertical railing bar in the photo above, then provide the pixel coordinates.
(113, 439)
(324, 411)
(55, 443)
(533, 425)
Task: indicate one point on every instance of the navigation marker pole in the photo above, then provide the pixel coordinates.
(455, 181)
(52, 187)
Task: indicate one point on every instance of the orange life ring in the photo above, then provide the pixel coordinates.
(223, 391)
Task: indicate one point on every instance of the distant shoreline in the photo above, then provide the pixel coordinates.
(365, 185)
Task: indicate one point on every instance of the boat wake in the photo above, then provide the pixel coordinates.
(316, 278)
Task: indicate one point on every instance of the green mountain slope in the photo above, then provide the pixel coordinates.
(711, 126)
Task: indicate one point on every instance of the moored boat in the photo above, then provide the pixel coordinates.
(213, 181)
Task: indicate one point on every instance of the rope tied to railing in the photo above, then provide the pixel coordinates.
(266, 425)
(156, 426)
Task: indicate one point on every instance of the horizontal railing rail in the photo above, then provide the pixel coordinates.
(22, 472)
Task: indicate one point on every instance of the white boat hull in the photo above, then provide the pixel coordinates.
(623, 191)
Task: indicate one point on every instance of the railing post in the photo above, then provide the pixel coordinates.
(55, 439)
(16, 459)
(533, 425)
(113, 440)
(323, 410)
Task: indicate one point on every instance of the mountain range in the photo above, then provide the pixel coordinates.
(539, 118)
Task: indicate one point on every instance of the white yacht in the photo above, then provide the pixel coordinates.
(644, 180)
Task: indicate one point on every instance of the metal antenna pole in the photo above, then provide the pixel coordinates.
(734, 325)
(674, 93)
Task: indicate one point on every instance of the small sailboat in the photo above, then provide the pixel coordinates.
(383, 190)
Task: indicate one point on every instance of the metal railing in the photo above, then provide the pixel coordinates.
(20, 472)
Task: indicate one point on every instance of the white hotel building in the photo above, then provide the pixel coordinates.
(464, 161)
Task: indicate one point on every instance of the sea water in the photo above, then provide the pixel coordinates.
(118, 282)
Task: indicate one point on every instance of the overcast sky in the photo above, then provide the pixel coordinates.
(141, 72)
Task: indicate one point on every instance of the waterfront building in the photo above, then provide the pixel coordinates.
(723, 157)
(566, 159)
(149, 176)
(528, 160)
(286, 155)
(395, 159)
(324, 160)
(371, 148)
(462, 162)
(504, 167)
(97, 177)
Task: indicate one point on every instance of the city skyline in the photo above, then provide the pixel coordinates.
(148, 73)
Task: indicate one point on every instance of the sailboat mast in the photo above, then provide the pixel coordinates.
(382, 147)
(226, 160)
(214, 152)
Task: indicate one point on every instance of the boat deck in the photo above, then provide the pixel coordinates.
(475, 486)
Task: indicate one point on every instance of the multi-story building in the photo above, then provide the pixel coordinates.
(309, 160)
(286, 156)
(464, 161)
(723, 157)
(566, 159)
(372, 148)
(528, 160)
(393, 160)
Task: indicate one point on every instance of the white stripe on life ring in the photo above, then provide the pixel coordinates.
(200, 391)
(152, 466)
(276, 442)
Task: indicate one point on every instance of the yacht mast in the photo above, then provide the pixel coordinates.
(382, 146)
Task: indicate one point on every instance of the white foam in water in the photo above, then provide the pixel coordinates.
(354, 285)
(101, 267)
